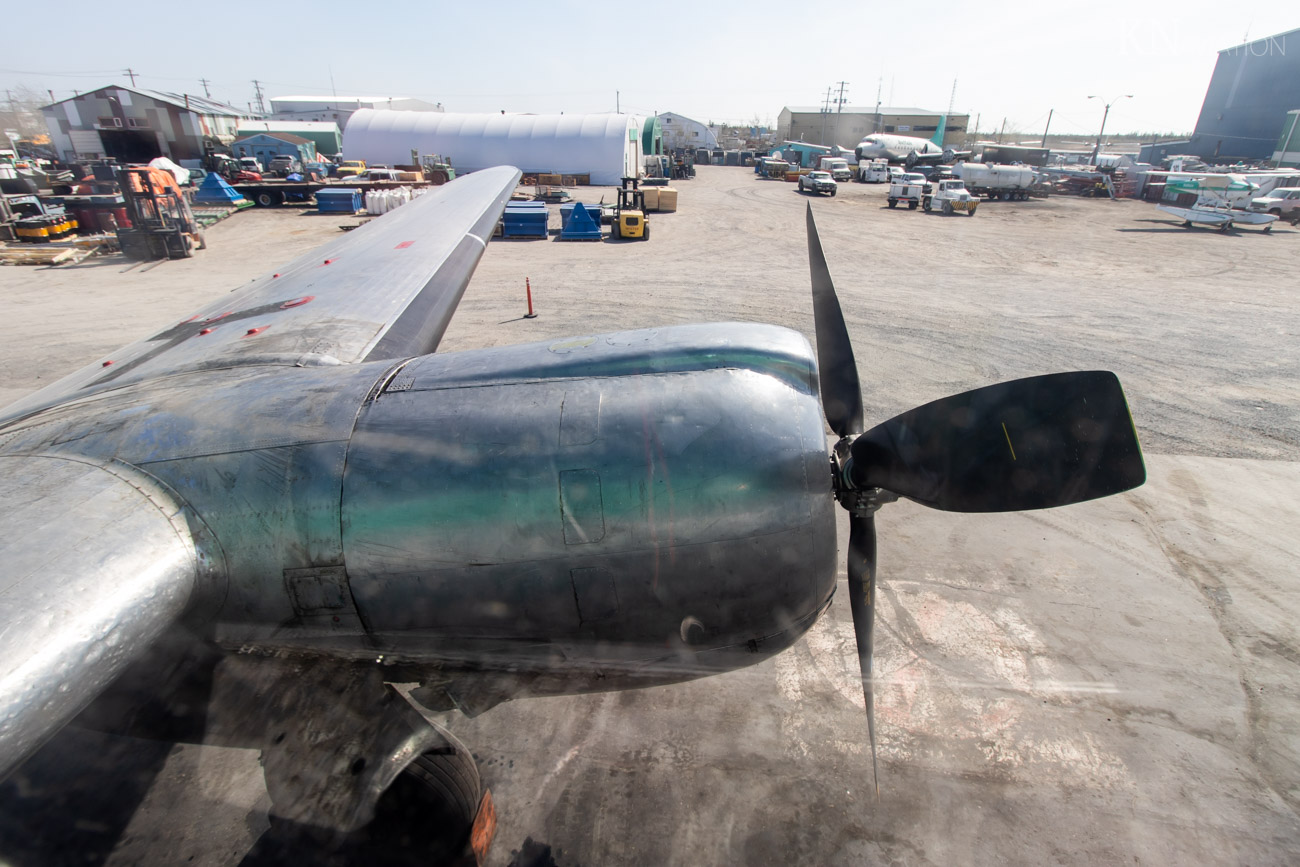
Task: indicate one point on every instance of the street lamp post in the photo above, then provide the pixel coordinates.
(1096, 150)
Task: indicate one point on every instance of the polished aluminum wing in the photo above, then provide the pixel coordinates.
(97, 556)
(384, 290)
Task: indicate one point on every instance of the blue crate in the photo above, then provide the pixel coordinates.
(525, 220)
(346, 200)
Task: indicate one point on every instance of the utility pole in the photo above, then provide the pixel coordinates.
(618, 105)
(880, 82)
(131, 74)
(206, 92)
(1105, 114)
(1003, 130)
(1046, 128)
(952, 100)
(826, 110)
(839, 109)
(257, 86)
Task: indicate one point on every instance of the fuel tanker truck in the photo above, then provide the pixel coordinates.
(999, 182)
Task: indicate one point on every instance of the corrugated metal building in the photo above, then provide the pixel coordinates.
(327, 137)
(683, 132)
(607, 147)
(135, 125)
(848, 127)
(338, 109)
(1288, 144)
(1253, 87)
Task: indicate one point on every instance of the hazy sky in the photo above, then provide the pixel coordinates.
(709, 61)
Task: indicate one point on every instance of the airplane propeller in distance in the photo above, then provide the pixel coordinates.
(1030, 443)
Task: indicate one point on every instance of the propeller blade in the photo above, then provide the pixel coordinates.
(1025, 444)
(837, 371)
(862, 602)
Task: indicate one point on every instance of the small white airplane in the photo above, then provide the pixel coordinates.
(1212, 207)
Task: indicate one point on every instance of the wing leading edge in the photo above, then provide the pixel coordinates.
(385, 290)
(97, 563)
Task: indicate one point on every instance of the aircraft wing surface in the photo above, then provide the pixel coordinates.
(385, 290)
(77, 605)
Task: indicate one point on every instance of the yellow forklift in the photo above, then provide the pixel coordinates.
(629, 214)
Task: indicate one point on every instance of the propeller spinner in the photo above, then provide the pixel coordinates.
(1030, 443)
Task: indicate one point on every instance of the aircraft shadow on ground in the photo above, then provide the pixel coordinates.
(72, 800)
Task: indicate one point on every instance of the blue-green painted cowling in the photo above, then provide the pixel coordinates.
(621, 499)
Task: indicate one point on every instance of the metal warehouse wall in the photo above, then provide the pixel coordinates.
(1253, 87)
(605, 146)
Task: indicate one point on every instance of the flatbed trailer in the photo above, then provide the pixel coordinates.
(268, 194)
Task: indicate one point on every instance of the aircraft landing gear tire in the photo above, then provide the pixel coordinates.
(442, 783)
(893, 203)
(1226, 227)
(1187, 225)
(1268, 228)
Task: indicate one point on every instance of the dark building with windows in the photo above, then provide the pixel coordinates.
(1253, 87)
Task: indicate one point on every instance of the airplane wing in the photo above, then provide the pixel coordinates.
(98, 558)
(385, 290)
(78, 606)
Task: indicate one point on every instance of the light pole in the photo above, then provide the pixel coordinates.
(1104, 115)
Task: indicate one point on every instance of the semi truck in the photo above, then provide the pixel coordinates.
(998, 182)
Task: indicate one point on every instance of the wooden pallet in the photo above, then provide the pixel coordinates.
(44, 255)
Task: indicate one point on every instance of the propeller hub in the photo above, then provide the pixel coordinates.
(858, 501)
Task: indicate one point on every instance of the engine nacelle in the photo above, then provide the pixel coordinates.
(624, 498)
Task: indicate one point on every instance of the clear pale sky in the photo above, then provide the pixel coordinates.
(710, 61)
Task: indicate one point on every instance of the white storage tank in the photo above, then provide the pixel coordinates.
(607, 147)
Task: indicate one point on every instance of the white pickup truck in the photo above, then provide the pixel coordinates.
(909, 188)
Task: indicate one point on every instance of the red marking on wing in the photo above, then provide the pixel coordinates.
(297, 302)
(403, 245)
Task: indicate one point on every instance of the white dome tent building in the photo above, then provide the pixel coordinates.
(607, 147)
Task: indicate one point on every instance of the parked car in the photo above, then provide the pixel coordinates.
(818, 182)
(284, 165)
(197, 176)
(1284, 203)
(250, 164)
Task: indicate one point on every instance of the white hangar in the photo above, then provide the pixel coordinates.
(605, 146)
